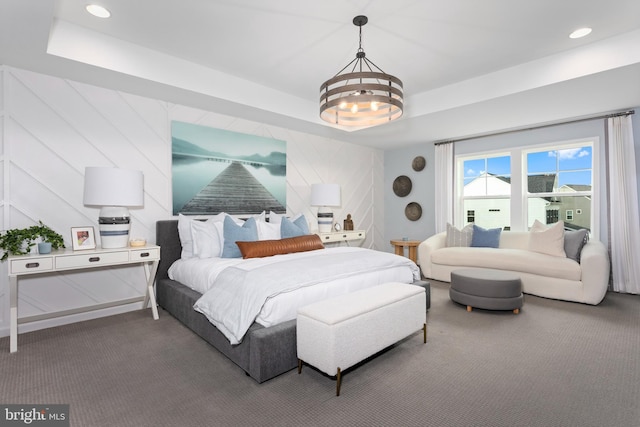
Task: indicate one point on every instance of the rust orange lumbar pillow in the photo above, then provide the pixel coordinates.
(265, 248)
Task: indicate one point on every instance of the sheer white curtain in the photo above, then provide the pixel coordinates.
(444, 186)
(624, 222)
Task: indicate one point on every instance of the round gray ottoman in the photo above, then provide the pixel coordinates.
(485, 288)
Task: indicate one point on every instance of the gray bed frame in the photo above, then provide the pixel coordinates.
(263, 353)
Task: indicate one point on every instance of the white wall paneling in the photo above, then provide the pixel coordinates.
(52, 128)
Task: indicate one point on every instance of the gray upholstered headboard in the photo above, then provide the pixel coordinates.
(168, 239)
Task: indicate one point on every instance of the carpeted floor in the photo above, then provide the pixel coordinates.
(554, 364)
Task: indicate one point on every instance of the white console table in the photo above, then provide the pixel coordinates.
(66, 260)
(342, 236)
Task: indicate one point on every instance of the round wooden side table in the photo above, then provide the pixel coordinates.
(411, 244)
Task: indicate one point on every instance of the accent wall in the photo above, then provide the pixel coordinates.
(52, 128)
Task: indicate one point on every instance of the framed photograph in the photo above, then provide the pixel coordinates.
(83, 238)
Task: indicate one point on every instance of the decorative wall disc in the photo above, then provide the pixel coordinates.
(413, 211)
(402, 185)
(418, 163)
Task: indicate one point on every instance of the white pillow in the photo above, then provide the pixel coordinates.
(261, 217)
(547, 240)
(207, 238)
(184, 231)
(268, 231)
(187, 238)
(275, 218)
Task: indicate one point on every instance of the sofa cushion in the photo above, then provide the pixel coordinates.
(509, 259)
(485, 238)
(514, 240)
(547, 239)
(457, 237)
(574, 241)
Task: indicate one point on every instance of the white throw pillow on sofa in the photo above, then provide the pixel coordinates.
(459, 238)
(547, 239)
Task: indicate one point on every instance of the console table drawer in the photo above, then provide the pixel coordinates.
(148, 254)
(31, 265)
(92, 259)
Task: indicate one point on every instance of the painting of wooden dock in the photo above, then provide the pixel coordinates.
(215, 170)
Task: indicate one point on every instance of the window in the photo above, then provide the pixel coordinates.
(487, 190)
(512, 189)
(560, 180)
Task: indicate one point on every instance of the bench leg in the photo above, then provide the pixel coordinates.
(299, 366)
(424, 328)
(338, 381)
(469, 308)
(516, 310)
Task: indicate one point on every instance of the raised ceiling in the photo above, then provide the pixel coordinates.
(469, 67)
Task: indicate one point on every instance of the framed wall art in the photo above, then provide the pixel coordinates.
(216, 170)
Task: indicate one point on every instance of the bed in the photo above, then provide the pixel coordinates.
(262, 352)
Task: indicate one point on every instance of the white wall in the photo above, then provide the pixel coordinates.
(51, 128)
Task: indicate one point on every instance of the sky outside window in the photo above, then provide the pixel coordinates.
(573, 166)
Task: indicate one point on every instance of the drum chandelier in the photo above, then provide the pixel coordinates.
(364, 96)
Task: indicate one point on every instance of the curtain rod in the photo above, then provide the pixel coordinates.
(605, 116)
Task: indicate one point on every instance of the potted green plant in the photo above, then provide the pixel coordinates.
(19, 241)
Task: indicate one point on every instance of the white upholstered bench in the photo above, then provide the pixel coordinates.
(339, 332)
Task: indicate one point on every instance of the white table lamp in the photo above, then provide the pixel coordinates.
(114, 190)
(324, 196)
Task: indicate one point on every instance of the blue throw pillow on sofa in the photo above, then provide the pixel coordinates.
(233, 233)
(485, 238)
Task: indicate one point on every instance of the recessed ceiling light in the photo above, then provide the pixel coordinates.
(97, 10)
(580, 32)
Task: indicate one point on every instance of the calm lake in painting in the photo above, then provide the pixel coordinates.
(201, 154)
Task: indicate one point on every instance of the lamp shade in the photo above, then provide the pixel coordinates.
(325, 195)
(106, 186)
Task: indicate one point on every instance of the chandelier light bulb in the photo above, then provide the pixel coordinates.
(374, 106)
(343, 105)
(354, 108)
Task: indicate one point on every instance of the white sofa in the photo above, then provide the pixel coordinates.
(542, 275)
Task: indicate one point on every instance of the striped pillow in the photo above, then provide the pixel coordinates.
(457, 237)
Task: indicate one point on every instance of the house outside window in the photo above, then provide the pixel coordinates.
(471, 216)
(487, 190)
(569, 189)
(512, 189)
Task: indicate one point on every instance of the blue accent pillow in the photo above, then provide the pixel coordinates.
(233, 233)
(485, 238)
(295, 228)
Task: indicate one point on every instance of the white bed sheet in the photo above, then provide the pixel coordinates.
(201, 274)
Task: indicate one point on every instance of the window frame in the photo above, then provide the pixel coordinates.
(519, 192)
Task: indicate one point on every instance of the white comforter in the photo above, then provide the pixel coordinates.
(270, 290)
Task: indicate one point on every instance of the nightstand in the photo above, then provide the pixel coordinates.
(342, 236)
